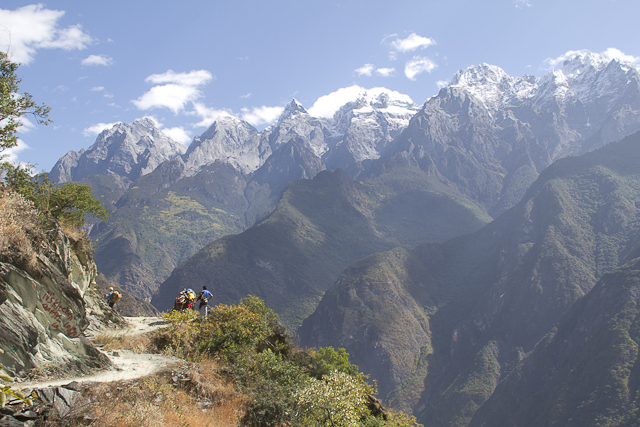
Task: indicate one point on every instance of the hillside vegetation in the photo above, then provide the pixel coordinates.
(240, 369)
(319, 227)
(441, 326)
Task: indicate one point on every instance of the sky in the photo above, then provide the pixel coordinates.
(183, 64)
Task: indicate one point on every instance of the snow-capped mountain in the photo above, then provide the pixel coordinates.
(487, 125)
(229, 140)
(476, 132)
(129, 151)
(360, 130)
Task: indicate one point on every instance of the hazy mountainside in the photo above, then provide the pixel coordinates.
(491, 134)
(163, 219)
(482, 140)
(474, 305)
(318, 228)
(583, 373)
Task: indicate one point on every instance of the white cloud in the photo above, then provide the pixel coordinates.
(327, 105)
(25, 30)
(97, 60)
(418, 65)
(208, 115)
(11, 154)
(261, 115)
(369, 69)
(608, 55)
(174, 90)
(171, 96)
(192, 78)
(442, 83)
(248, 95)
(97, 89)
(386, 72)
(522, 3)
(365, 70)
(412, 43)
(178, 134)
(96, 129)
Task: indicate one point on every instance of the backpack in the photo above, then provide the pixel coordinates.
(191, 295)
(203, 298)
(116, 296)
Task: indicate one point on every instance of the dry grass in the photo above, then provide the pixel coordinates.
(155, 401)
(191, 395)
(20, 227)
(139, 343)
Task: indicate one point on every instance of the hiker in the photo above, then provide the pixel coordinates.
(204, 298)
(181, 301)
(113, 297)
(191, 298)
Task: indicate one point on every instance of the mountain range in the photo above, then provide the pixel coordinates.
(446, 246)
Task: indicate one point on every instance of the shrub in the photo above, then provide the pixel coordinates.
(327, 360)
(232, 331)
(337, 399)
(20, 227)
(69, 202)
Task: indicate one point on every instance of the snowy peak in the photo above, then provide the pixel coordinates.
(493, 86)
(588, 78)
(128, 150)
(394, 106)
(292, 110)
(230, 140)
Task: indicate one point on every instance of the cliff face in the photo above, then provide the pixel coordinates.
(46, 306)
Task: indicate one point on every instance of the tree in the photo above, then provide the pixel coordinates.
(13, 105)
(68, 202)
(338, 399)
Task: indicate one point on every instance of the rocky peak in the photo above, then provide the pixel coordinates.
(230, 140)
(128, 150)
(293, 109)
(493, 86)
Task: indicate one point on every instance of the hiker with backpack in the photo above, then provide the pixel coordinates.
(113, 297)
(204, 298)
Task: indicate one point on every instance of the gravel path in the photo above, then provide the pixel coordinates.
(127, 365)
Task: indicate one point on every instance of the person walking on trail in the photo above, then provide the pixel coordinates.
(204, 298)
(113, 297)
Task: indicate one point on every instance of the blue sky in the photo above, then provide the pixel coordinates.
(184, 63)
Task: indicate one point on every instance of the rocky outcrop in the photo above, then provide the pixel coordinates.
(46, 308)
(124, 151)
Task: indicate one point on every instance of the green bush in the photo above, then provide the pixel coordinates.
(284, 386)
(337, 399)
(69, 202)
(271, 382)
(327, 360)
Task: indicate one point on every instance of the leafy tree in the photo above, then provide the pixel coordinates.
(13, 105)
(327, 360)
(337, 399)
(68, 202)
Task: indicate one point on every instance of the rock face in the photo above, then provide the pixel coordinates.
(126, 151)
(491, 134)
(45, 309)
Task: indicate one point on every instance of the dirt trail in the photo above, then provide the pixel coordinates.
(126, 364)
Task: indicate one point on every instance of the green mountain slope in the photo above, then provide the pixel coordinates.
(585, 372)
(318, 228)
(163, 219)
(492, 295)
